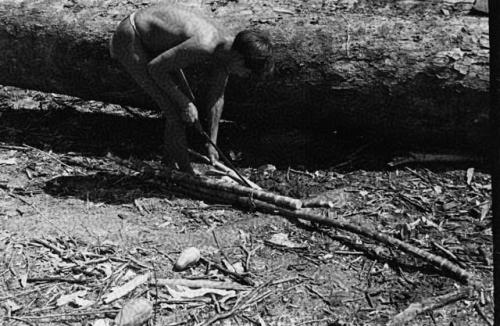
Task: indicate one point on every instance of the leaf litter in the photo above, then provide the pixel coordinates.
(68, 256)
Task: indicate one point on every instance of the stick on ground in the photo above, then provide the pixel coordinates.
(438, 261)
(204, 182)
(199, 284)
(429, 304)
(443, 263)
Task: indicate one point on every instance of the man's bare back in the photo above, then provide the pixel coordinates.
(166, 26)
(156, 43)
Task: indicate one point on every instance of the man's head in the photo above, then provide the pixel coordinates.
(255, 49)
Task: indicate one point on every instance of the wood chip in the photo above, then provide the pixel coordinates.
(125, 289)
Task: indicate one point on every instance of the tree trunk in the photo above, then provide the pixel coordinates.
(494, 24)
(423, 76)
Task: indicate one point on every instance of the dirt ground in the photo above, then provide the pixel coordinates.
(76, 224)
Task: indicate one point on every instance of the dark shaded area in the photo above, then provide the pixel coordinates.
(107, 187)
(65, 129)
(494, 27)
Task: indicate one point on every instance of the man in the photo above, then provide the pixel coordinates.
(154, 44)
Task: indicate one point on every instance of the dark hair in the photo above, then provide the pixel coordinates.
(255, 47)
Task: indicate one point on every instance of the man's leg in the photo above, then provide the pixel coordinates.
(127, 48)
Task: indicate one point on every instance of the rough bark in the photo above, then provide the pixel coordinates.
(494, 24)
(414, 75)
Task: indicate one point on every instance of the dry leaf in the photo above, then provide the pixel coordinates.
(134, 313)
(82, 303)
(188, 257)
(8, 161)
(184, 292)
(438, 189)
(482, 6)
(11, 305)
(101, 322)
(485, 208)
(281, 239)
(106, 268)
(238, 267)
(450, 205)
(65, 299)
(128, 287)
(332, 199)
(129, 274)
(470, 175)
(23, 280)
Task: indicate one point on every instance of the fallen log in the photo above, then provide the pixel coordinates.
(421, 76)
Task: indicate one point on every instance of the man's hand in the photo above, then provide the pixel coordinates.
(213, 155)
(189, 113)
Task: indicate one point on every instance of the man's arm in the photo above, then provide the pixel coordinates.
(214, 102)
(189, 52)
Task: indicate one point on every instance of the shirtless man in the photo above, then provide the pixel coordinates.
(154, 44)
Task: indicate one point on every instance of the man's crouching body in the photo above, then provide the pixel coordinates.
(154, 45)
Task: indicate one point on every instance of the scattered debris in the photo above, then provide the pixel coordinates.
(125, 289)
(74, 298)
(58, 275)
(281, 239)
(134, 313)
(481, 6)
(201, 284)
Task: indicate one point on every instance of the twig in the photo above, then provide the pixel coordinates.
(46, 279)
(138, 263)
(49, 245)
(309, 174)
(252, 298)
(321, 296)
(55, 158)
(243, 278)
(220, 316)
(223, 168)
(198, 284)
(19, 319)
(249, 255)
(429, 304)
(481, 313)
(314, 321)
(449, 254)
(23, 293)
(18, 148)
(71, 314)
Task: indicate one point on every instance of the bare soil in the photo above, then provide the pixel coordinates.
(73, 219)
